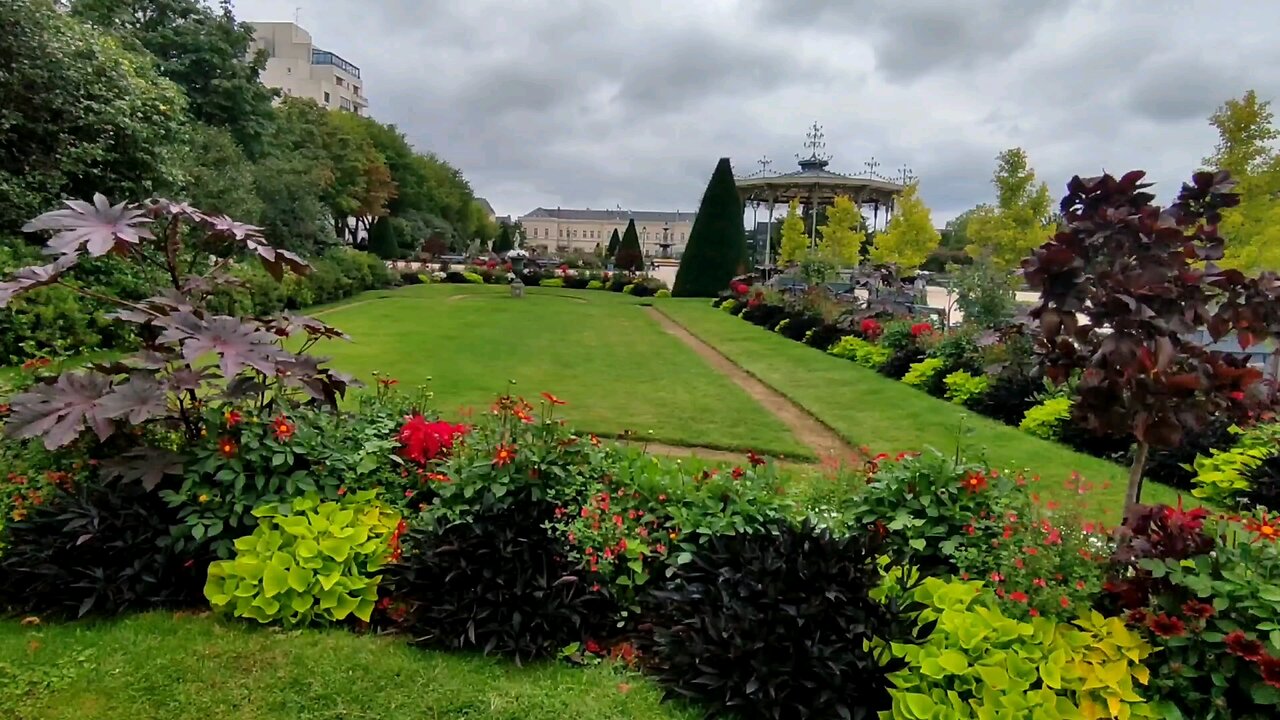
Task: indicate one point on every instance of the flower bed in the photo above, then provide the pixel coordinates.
(917, 586)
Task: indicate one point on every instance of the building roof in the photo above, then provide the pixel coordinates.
(813, 181)
(610, 215)
(484, 204)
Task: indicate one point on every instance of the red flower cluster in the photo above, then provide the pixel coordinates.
(35, 364)
(1241, 645)
(394, 544)
(1166, 626)
(919, 329)
(423, 441)
(871, 329)
(740, 288)
(754, 459)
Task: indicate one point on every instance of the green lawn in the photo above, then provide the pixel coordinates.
(887, 416)
(156, 666)
(599, 351)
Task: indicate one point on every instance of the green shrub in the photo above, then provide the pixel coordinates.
(629, 289)
(1047, 419)
(897, 336)
(473, 278)
(979, 663)
(964, 388)
(867, 354)
(595, 285)
(663, 293)
(741, 626)
(923, 372)
(1224, 475)
(728, 305)
(308, 560)
(782, 325)
(553, 283)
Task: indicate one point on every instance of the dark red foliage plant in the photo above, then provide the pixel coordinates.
(1146, 282)
(191, 363)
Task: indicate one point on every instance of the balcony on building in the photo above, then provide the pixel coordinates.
(324, 57)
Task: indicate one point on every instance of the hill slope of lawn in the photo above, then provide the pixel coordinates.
(161, 667)
(599, 351)
(888, 416)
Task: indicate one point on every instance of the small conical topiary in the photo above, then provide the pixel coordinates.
(629, 256)
(382, 240)
(505, 241)
(717, 248)
(614, 242)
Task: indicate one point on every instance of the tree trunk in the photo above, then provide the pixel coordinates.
(1134, 493)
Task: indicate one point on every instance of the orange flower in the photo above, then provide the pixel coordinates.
(283, 428)
(503, 455)
(227, 447)
(552, 399)
(975, 482)
(233, 418)
(1264, 529)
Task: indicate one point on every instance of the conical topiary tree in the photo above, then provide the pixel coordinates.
(505, 241)
(629, 255)
(614, 242)
(382, 240)
(717, 248)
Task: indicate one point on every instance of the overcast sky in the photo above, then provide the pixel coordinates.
(597, 103)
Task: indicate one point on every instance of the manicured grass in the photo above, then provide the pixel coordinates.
(160, 667)
(598, 351)
(887, 416)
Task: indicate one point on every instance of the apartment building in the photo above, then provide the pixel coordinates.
(297, 67)
(559, 229)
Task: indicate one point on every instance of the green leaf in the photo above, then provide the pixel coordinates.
(954, 661)
(274, 580)
(918, 705)
(918, 544)
(300, 578)
(345, 606)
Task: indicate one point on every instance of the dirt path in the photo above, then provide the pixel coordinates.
(808, 430)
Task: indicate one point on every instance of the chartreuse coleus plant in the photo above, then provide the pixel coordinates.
(865, 353)
(922, 372)
(308, 560)
(978, 663)
(962, 386)
(1223, 475)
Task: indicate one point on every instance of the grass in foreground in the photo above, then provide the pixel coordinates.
(869, 409)
(597, 350)
(161, 667)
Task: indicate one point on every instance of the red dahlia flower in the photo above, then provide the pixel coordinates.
(871, 329)
(738, 472)
(919, 329)
(1244, 646)
(422, 441)
(283, 428)
(227, 447)
(1270, 669)
(552, 399)
(975, 482)
(1264, 529)
(1166, 626)
(233, 418)
(503, 455)
(754, 459)
(1198, 610)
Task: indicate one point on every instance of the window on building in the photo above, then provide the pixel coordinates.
(681, 237)
(337, 80)
(355, 89)
(326, 98)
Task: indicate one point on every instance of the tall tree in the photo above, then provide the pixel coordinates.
(794, 244)
(205, 50)
(505, 241)
(1021, 218)
(220, 179)
(81, 114)
(382, 239)
(911, 236)
(842, 234)
(629, 257)
(717, 247)
(955, 234)
(614, 241)
(1246, 136)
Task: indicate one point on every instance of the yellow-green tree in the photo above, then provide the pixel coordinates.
(842, 235)
(911, 236)
(1020, 220)
(794, 243)
(1246, 131)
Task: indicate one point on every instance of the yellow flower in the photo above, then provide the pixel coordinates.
(203, 498)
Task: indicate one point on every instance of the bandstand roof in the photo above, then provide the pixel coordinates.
(814, 183)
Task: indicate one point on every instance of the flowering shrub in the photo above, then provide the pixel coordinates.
(1215, 616)
(926, 505)
(964, 388)
(1047, 419)
(308, 560)
(741, 627)
(923, 372)
(870, 329)
(422, 441)
(980, 663)
(922, 328)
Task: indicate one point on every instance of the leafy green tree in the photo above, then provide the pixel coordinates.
(81, 114)
(220, 179)
(911, 236)
(1021, 219)
(984, 293)
(629, 256)
(1246, 136)
(614, 241)
(505, 241)
(842, 234)
(795, 244)
(955, 234)
(203, 49)
(717, 247)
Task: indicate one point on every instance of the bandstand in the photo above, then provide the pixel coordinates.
(814, 186)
